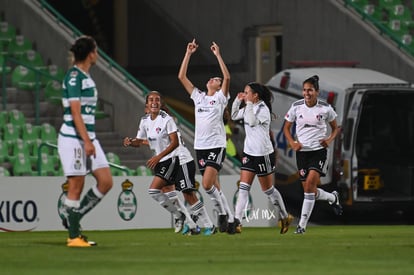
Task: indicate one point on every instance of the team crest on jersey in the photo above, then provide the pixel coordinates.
(202, 162)
(212, 102)
(319, 117)
(158, 130)
(73, 73)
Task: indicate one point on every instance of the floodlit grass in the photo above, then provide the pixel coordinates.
(322, 250)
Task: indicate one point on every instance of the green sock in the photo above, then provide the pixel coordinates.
(74, 218)
(89, 201)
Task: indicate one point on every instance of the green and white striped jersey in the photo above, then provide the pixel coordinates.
(78, 85)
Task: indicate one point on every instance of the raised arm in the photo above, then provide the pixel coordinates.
(182, 74)
(225, 86)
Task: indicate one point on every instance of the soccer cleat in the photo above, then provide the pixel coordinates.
(237, 226)
(78, 242)
(179, 223)
(231, 228)
(337, 208)
(284, 224)
(222, 223)
(83, 237)
(191, 231)
(186, 229)
(210, 231)
(300, 230)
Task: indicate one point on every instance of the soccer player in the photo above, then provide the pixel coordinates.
(159, 130)
(311, 116)
(210, 135)
(78, 148)
(258, 152)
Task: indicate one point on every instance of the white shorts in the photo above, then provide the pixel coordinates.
(73, 158)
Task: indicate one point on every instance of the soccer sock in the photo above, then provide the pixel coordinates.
(230, 216)
(90, 200)
(198, 209)
(216, 198)
(277, 200)
(73, 217)
(242, 201)
(163, 200)
(307, 207)
(322, 195)
(173, 197)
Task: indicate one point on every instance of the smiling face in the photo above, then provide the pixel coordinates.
(310, 94)
(153, 104)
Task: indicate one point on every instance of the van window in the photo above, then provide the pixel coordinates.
(386, 128)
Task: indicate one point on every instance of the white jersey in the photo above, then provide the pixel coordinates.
(182, 152)
(157, 132)
(256, 119)
(209, 125)
(310, 122)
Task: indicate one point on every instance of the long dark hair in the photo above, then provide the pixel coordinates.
(314, 80)
(263, 92)
(82, 47)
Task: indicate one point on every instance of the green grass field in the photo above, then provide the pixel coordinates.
(322, 250)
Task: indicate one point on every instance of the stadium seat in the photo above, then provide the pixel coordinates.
(34, 151)
(17, 118)
(33, 58)
(19, 46)
(4, 151)
(113, 158)
(7, 32)
(4, 117)
(402, 13)
(53, 92)
(30, 134)
(22, 166)
(47, 165)
(4, 66)
(55, 73)
(25, 79)
(19, 147)
(388, 4)
(143, 171)
(4, 172)
(48, 133)
(10, 133)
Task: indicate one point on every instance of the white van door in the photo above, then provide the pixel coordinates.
(348, 147)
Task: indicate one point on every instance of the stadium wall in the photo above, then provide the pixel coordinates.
(32, 204)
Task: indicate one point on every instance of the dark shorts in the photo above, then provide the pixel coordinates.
(261, 166)
(167, 169)
(311, 160)
(185, 179)
(210, 157)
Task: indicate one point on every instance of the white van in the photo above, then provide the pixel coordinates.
(372, 160)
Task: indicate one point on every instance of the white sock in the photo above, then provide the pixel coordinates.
(277, 200)
(230, 216)
(322, 195)
(198, 209)
(97, 192)
(242, 201)
(216, 198)
(163, 200)
(173, 197)
(72, 203)
(307, 207)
